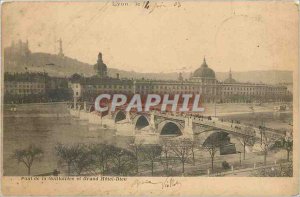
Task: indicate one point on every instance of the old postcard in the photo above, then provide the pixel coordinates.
(160, 98)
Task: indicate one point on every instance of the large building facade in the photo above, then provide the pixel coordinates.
(203, 81)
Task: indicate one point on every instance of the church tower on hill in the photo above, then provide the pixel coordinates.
(60, 52)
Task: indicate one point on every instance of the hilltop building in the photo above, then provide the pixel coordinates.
(60, 52)
(17, 49)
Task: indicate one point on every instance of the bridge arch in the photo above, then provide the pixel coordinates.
(141, 121)
(218, 137)
(170, 128)
(119, 115)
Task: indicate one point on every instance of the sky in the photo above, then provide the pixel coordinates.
(167, 37)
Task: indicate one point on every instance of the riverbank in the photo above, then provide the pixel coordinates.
(210, 108)
(240, 108)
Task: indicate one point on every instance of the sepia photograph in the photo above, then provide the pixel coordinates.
(154, 95)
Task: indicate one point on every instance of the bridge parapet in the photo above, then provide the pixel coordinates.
(236, 129)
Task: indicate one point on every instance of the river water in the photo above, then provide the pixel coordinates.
(47, 125)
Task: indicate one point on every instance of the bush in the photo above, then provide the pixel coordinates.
(225, 165)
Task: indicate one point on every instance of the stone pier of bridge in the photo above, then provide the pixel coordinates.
(131, 124)
(157, 124)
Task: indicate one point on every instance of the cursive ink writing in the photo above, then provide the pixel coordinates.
(167, 183)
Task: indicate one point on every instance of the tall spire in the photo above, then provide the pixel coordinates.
(100, 57)
(230, 74)
(60, 53)
(204, 63)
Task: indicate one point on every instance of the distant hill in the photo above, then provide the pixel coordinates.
(264, 76)
(268, 76)
(56, 65)
(52, 64)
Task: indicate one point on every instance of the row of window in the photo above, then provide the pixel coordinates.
(108, 86)
(25, 86)
(184, 87)
(19, 89)
(204, 91)
(197, 87)
(254, 89)
(177, 88)
(24, 91)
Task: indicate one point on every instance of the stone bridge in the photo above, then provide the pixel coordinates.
(133, 123)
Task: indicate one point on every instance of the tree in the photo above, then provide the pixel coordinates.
(122, 161)
(213, 143)
(193, 147)
(286, 144)
(182, 148)
(212, 149)
(101, 154)
(28, 156)
(166, 149)
(136, 149)
(70, 155)
(266, 144)
(248, 138)
(151, 152)
(283, 170)
(83, 160)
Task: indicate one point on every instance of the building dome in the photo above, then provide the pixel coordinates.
(230, 79)
(204, 71)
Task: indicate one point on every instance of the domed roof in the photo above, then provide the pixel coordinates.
(204, 71)
(230, 79)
